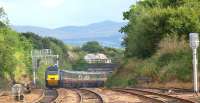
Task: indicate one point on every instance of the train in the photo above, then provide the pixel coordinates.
(79, 79)
(73, 79)
(52, 77)
(82, 83)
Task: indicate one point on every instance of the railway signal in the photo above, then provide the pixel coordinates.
(194, 44)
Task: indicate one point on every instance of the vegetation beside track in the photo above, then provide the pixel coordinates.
(156, 43)
(15, 60)
(15, 53)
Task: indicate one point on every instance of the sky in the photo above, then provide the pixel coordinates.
(58, 13)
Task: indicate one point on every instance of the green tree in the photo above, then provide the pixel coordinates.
(3, 18)
(14, 53)
(152, 20)
(92, 47)
(57, 46)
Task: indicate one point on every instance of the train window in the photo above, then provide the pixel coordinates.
(52, 72)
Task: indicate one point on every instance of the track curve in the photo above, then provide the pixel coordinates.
(157, 97)
(88, 96)
(49, 96)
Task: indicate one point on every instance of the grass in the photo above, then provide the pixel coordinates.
(171, 65)
(173, 84)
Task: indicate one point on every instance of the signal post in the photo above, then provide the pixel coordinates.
(194, 44)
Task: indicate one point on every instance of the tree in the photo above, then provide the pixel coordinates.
(57, 46)
(92, 47)
(15, 55)
(152, 20)
(3, 18)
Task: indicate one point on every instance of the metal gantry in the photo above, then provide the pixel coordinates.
(44, 56)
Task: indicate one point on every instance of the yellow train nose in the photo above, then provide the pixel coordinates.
(53, 82)
(52, 77)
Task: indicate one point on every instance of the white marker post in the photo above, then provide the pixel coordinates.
(57, 60)
(194, 44)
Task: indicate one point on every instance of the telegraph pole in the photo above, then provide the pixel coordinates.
(194, 44)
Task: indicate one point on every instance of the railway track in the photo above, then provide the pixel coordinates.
(88, 96)
(153, 96)
(168, 90)
(49, 96)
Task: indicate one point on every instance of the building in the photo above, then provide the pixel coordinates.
(97, 58)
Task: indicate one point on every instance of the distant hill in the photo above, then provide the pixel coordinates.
(106, 32)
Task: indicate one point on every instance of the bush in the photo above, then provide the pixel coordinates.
(171, 62)
(92, 47)
(149, 21)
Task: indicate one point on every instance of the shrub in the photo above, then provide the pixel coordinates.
(171, 62)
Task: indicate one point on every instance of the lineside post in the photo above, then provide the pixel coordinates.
(194, 44)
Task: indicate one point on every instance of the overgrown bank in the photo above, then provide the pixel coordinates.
(15, 54)
(172, 63)
(15, 62)
(156, 43)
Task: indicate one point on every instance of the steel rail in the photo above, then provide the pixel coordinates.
(85, 93)
(176, 90)
(139, 95)
(40, 97)
(80, 99)
(164, 95)
(161, 95)
(49, 96)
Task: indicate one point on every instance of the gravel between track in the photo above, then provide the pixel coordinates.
(66, 96)
(117, 97)
(29, 98)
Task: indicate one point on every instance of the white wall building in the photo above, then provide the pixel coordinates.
(97, 58)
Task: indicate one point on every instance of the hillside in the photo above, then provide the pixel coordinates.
(170, 66)
(157, 52)
(106, 32)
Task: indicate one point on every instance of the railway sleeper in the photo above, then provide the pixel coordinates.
(167, 100)
(90, 98)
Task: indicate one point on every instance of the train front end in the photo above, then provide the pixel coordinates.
(52, 77)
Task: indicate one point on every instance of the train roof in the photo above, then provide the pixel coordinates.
(52, 68)
(83, 72)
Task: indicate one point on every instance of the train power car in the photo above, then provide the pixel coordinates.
(52, 77)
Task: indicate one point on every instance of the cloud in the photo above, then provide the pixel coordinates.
(51, 3)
